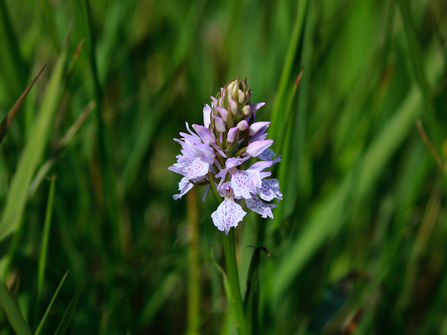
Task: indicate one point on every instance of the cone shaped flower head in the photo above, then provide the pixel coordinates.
(215, 154)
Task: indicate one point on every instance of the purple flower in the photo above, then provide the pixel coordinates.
(216, 154)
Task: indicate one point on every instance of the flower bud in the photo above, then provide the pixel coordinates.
(223, 113)
(219, 124)
(241, 97)
(233, 106)
(243, 125)
(232, 134)
(246, 110)
(256, 148)
(255, 127)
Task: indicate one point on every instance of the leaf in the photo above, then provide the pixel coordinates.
(32, 153)
(69, 313)
(42, 322)
(12, 311)
(45, 239)
(13, 111)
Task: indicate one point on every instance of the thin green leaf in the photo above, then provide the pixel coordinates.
(12, 311)
(32, 154)
(69, 313)
(278, 121)
(42, 322)
(45, 239)
(13, 111)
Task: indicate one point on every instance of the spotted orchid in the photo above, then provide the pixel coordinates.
(216, 153)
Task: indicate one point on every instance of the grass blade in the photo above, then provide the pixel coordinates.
(32, 154)
(42, 322)
(12, 311)
(45, 239)
(13, 111)
(69, 313)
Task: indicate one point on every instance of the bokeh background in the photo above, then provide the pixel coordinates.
(357, 246)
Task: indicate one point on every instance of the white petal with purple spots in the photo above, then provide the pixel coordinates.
(270, 190)
(245, 182)
(184, 186)
(228, 215)
(259, 207)
(196, 168)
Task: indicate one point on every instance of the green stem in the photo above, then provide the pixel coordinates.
(234, 298)
(194, 268)
(233, 279)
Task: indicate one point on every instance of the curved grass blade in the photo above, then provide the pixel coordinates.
(69, 313)
(32, 153)
(12, 312)
(42, 322)
(13, 111)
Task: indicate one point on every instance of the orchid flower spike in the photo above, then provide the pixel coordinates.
(215, 155)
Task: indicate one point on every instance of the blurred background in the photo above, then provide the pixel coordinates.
(357, 246)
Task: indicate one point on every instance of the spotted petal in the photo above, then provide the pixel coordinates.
(245, 182)
(183, 186)
(270, 190)
(259, 207)
(228, 215)
(195, 168)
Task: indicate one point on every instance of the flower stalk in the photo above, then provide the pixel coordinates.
(235, 300)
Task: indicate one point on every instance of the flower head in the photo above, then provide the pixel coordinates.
(218, 150)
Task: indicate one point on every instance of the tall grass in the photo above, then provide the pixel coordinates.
(358, 243)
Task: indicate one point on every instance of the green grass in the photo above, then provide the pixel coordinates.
(363, 194)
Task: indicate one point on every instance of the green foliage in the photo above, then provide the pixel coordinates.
(362, 191)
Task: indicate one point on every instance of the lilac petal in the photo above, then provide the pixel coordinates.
(255, 107)
(257, 126)
(265, 174)
(232, 134)
(193, 140)
(223, 113)
(228, 215)
(206, 116)
(268, 155)
(256, 148)
(205, 193)
(183, 186)
(260, 135)
(177, 168)
(270, 190)
(219, 150)
(196, 168)
(219, 123)
(189, 130)
(205, 134)
(259, 207)
(232, 162)
(222, 173)
(245, 182)
(260, 166)
(243, 125)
